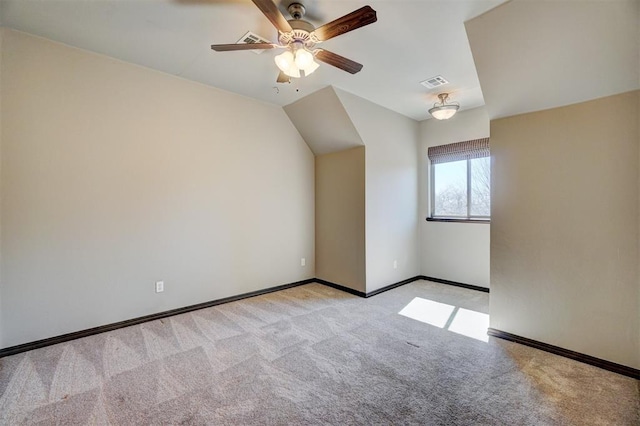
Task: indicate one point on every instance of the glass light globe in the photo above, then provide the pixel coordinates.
(304, 58)
(284, 61)
(444, 112)
(311, 68)
(293, 71)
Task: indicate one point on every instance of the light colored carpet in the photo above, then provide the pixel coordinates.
(309, 355)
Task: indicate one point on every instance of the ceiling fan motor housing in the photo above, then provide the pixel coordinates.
(302, 33)
(296, 10)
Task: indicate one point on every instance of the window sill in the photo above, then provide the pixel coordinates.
(461, 220)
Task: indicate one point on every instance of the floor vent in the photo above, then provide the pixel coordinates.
(250, 38)
(434, 82)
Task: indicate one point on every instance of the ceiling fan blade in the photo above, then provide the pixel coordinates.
(270, 10)
(283, 78)
(352, 21)
(338, 61)
(242, 46)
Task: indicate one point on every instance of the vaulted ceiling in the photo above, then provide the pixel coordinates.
(535, 55)
(527, 55)
(410, 42)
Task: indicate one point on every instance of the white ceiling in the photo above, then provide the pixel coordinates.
(323, 122)
(412, 41)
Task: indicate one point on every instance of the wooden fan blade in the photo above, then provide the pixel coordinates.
(338, 61)
(283, 78)
(243, 46)
(272, 13)
(352, 21)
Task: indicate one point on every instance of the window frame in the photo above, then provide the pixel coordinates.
(469, 218)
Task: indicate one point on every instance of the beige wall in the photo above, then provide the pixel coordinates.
(564, 232)
(1, 38)
(114, 176)
(340, 218)
(452, 251)
(391, 190)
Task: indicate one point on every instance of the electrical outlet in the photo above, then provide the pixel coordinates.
(395, 264)
(159, 286)
(303, 261)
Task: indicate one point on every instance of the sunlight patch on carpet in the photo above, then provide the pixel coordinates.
(458, 320)
(471, 324)
(428, 311)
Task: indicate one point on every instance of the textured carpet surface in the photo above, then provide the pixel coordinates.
(310, 355)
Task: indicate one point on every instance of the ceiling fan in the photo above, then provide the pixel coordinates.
(300, 37)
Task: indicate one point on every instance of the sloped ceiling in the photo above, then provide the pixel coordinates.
(535, 55)
(323, 122)
(529, 55)
(412, 41)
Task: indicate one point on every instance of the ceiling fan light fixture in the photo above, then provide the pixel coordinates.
(311, 68)
(292, 63)
(293, 72)
(298, 36)
(304, 58)
(285, 61)
(443, 110)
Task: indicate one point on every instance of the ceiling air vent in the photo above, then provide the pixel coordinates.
(434, 82)
(250, 38)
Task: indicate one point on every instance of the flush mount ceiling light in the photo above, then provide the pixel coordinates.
(443, 110)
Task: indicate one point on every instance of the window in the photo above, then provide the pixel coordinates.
(461, 181)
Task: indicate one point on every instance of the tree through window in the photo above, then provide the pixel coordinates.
(461, 180)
